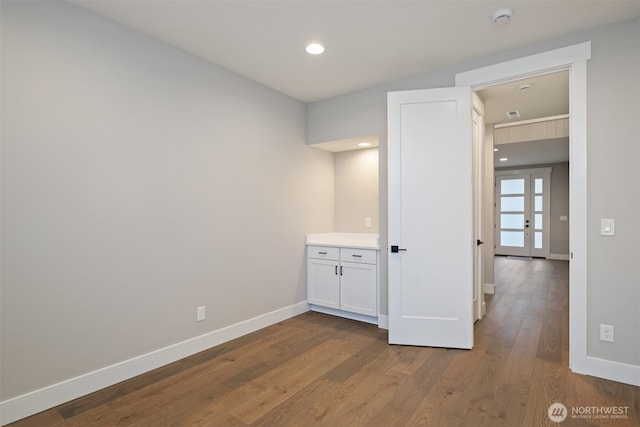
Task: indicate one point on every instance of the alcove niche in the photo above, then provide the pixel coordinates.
(356, 183)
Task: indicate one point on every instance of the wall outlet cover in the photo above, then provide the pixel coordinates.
(606, 333)
(201, 313)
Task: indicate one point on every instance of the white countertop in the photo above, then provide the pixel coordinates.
(345, 240)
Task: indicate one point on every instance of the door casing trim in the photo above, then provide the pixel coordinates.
(574, 59)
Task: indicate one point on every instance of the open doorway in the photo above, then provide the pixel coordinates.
(526, 207)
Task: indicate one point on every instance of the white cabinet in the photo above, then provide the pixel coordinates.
(345, 279)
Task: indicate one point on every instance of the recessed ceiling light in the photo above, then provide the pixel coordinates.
(364, 144)
(315, 49)
(525, 86)
(513, 114)
(503, 159)
(495, 149)
(502, 16)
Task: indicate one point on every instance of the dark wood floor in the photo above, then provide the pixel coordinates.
(316, 369)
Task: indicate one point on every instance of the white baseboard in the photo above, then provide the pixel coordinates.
(489, 288)
(39, 400)
(383, 321)
(614, 371)
(559, 257)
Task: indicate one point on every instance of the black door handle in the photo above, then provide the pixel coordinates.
(396, 249)
(479, 242)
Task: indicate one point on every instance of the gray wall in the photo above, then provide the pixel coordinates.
(139, 182)
(613, 173)
(356, 190)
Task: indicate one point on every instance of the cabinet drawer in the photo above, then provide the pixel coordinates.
(323, 252)
(367, 256)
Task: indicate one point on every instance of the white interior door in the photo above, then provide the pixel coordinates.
(430, 217)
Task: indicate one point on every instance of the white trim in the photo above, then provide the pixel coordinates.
(574, 59)
(614, 371)
(346, 314)
(489, 288)
(559, 257)
(542, 63)
(39, 400)
(530, 121)
(578, 218)
(383, 321)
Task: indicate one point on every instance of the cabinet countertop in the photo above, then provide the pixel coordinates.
(344, 240)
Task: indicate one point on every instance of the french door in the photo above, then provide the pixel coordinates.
(522, 212)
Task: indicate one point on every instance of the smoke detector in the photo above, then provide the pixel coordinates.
(502, 16)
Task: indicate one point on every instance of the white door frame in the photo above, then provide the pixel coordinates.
(478, 114)
(573, 58)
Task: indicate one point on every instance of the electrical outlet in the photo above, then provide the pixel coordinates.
(606, 333)
(201, 313)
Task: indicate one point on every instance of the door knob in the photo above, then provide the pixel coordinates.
(396, 249)
(479, 242)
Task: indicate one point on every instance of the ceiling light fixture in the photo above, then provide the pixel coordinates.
(513, 114)
(364, 144)
(315, 49)
(503, 159)
(495, 149)
(502, 16)
(525, 86)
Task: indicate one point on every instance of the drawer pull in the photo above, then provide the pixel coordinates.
(322, 253)
(357, 256)
(341, 270)
(336, 270)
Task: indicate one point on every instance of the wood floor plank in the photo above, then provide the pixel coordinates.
(550, 341)
(281, 384)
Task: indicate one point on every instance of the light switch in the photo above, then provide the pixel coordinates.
(607, 227)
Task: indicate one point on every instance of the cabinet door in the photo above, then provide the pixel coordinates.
(358, 288)
(323, 283)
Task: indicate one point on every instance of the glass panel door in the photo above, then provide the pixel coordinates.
(512, 221)
(540, 193)
(522, 212)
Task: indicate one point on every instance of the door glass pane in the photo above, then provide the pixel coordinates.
(538, 240)
(538, 222)
(512, 186)
(512, 238)
(512, 204)
(538, 185)
(512, 221)
(538, 204)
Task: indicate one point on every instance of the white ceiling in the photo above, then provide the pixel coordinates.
(367, 42)
(548, 95)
